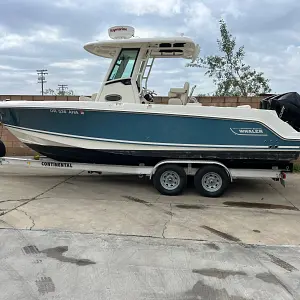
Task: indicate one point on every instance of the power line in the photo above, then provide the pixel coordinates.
(62, 88)
(41, 78)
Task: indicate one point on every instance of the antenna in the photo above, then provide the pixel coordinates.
(41, 78)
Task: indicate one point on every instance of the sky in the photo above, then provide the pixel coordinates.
(50, 34)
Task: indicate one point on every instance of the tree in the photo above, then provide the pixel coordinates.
(49, 92)
(59, 93)
(229, 72)
(65, 93)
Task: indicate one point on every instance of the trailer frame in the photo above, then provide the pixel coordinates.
(182, 168)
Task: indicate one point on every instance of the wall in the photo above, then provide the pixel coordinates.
(222, 101)
(39, 98)
(16, 148)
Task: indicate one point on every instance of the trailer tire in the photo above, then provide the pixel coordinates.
(2, 149)
(211, 181)
(170, 179)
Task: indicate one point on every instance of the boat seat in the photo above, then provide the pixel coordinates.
(179, 93)
(175, 101)
(85, 98)
(180, 90)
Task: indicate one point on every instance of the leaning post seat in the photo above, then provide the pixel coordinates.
(85, 98)
(181, 94)
(175, 101)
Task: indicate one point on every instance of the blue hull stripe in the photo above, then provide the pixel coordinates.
(146, 129)
(239, 147)
(136, 143)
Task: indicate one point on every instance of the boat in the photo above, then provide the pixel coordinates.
(122, 124)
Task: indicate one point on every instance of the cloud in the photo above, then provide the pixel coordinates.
(7, 68)
(148, 32)
(233, 9)
(73, 64)
(47, 35)
(67, 3)
(78, 4)
(37, 34)
(165, 8)
(198, 16)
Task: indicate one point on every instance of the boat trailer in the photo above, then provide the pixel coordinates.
(169, 177)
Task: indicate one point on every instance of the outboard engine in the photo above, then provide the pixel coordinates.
(287, 107)
(2, 149)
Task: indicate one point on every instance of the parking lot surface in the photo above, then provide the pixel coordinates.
(70, 235)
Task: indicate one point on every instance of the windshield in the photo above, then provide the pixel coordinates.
(124, 65)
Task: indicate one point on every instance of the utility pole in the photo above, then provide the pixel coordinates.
(41, 78)
(62, 88)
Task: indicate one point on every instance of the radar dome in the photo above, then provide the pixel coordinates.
(121, 32)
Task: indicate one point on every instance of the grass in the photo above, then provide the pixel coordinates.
(296, 168)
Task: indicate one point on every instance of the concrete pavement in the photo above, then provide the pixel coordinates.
(64, 265)
(78, 236)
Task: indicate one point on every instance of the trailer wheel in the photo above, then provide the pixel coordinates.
(170, 180)
(211, 181)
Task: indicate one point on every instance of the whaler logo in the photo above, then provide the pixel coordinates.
(249, 131)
